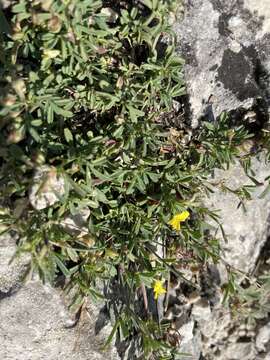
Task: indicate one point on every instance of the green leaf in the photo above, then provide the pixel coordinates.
(68, 135)
(36, 123)
(134, 113)
(148, 3)
(72, 254)
(93, 204)
(60, 111)
(265, 192)
(99, 161)
(75, 186)
(140, 184)
(154, 177)
(209, 126)
(100, 196)
(110, 337)
(118, 132)
(19, 8)
(34, 134)
(50, 114)
(61, 265)
(130, 189)
(100, 175)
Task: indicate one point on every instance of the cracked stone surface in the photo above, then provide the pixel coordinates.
(226, 48)
(35, 323)
(35, 326)
(10, 273)
(246, 230)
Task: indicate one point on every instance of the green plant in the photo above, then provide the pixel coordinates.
(251, 302)
(83, 89)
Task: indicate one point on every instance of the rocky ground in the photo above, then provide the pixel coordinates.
(226, 45)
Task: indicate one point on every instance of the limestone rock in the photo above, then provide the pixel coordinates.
(110, 14)
(260, 8)
(201, 311)
(48, 187)
(190, 342)
(215, 332)
(240, 351)
(34, 326)
(10, 273)
(35, 321)
(263, 338)
(226, 47)
(76, 224)
(6, 3)
(246, 231)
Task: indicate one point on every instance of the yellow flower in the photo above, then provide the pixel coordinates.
(158, 289)
(175, 222)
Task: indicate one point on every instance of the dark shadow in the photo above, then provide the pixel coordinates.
(103, 319)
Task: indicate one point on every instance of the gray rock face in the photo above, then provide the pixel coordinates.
(246, 231)
(222, 338)
(263, 338)
(76, 224)
(5, 3)
(226, 47)
(240, 350)
(35, 323)
(10, 273)
(191, 341)
(35, 326)
(216, 333)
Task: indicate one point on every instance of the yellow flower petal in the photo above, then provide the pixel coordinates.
(158, 289)
(183, 216)
(175, 222)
